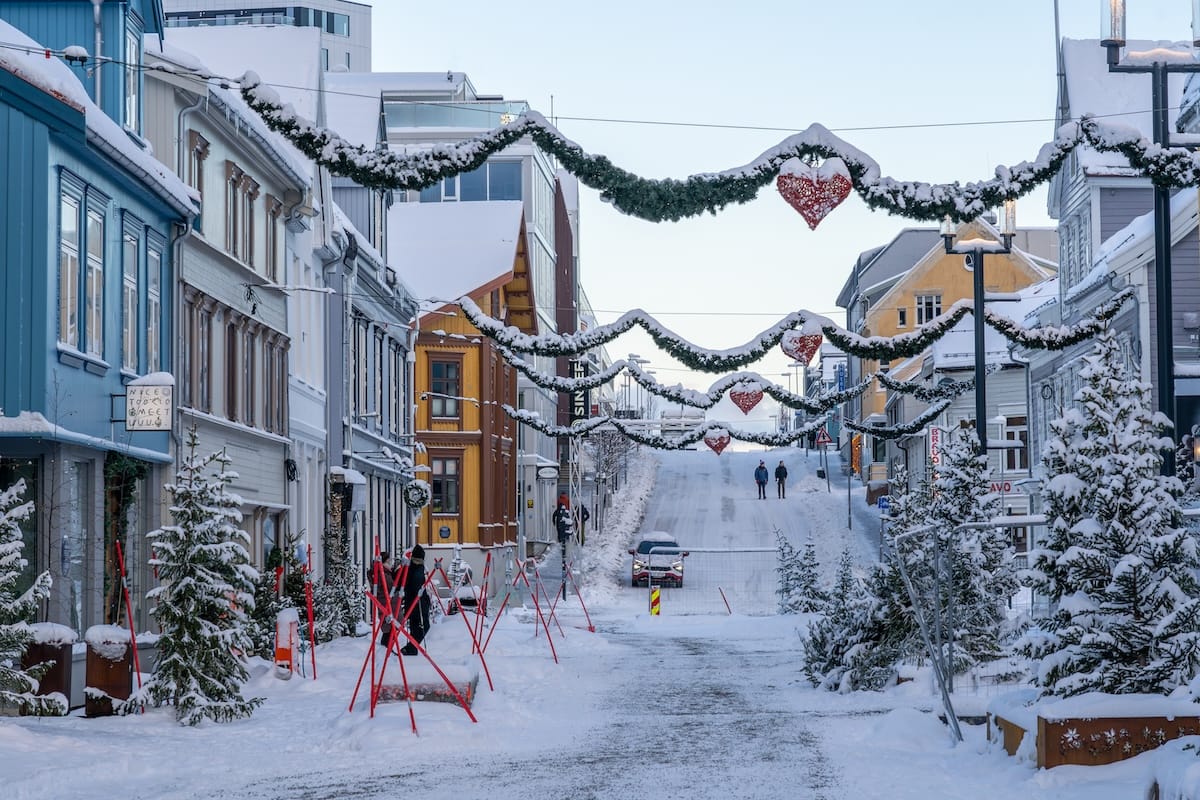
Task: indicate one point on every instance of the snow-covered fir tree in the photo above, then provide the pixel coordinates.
(206, 591)
(847, 648)
(1117, 564)
(978, 577)
(339, 602)
(799, 584)
(17, 685)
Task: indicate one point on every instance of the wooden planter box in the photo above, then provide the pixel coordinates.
(1065, 732)
(1104, 740)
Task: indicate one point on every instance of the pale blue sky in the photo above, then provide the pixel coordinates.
(782, 65)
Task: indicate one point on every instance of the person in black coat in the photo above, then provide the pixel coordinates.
(760, 479)
(564, 526)
(780, 480)
(416, 601)
(383, 579)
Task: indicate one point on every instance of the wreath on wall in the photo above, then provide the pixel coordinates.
(417, 494)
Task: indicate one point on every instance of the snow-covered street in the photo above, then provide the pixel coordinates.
(707, 706)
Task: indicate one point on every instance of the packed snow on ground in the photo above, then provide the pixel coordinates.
(699, 705)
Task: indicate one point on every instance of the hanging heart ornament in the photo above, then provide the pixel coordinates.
(746, 395)
(814, 191)
(800, 346)
(717, 439)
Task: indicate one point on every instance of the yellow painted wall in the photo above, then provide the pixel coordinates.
(940, 274)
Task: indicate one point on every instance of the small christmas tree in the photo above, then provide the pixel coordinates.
(799, 585)
(17, 685)
(207, 588)
(339, 602)
(979, 576)
(1117, 563)
(849, 648)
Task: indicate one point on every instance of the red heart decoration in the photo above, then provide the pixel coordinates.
(800, 346)
(718, 440)
(745, 396)
(814, 192)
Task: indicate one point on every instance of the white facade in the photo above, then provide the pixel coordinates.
(345, 26)
(233, 342)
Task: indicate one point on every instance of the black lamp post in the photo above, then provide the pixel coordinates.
(1159, 71)
(974, 250)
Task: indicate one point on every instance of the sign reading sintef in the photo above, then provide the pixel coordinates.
(148, 408)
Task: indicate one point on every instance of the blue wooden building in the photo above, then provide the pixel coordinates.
(87, 224)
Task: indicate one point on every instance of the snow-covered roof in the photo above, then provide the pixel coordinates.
(1117, 98)
(166, 55)
(447, 250)
(957, 348)
(1134, 243)
(352, 106)
(287, 58)
(54, 77)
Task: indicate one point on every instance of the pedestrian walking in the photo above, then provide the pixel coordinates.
(564, 526)
(760, 478)
(416, 601)
(781, 480)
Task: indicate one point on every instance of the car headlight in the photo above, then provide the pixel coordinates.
(677, 566)
(639, 565)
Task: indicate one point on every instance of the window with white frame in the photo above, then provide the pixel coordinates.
(444, 484)
(249, 357)
(187, 359)
(377, 353)
(154, 262)
(1016, 430)
(197, 154)
(395, 386)
(929, 306)
(93, 300)
(241, 191)
(232, 372)
(133, 94)
(204, 350)
(68, 269)
(901, 317)
(272, 254)
(130, 292)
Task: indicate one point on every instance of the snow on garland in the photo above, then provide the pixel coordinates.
(929, 394)
(683, 441)
(677, 393)
(673, 199)
(897, 431)
(417, 494)
(879, 348)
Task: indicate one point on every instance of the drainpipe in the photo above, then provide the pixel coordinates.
(99, 42)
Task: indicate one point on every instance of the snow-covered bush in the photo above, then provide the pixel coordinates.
(17, 685)
(203, 600)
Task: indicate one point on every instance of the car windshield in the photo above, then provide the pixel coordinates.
(645, 545)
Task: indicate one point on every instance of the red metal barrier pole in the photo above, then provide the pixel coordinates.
(591, 628)
(474, 639)
(401, 575)
(137, 669)
(308, 601)
(481, 598)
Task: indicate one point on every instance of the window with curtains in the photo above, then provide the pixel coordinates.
(445, 388)
(154, 265)
(93, 299)
(69, 238)
(445, 484)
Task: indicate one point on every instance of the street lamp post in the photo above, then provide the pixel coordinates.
(1159, 71)
(974, 250)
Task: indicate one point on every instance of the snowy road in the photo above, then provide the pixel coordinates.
(703, 706)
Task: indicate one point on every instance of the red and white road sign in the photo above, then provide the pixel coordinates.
(823, 438)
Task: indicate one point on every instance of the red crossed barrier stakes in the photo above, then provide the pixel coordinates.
(308, 601)
(537, 606)
(457, 603)
(137, 669)
(399, 627)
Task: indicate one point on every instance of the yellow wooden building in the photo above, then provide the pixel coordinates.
(467, 443)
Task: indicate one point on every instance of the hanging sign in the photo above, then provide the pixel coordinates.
(148, 407)
(580, 400)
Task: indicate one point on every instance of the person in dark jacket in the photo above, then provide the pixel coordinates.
(564, 526)
(780, 480)
(416, 601)
(760, 477)
(383, 579)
